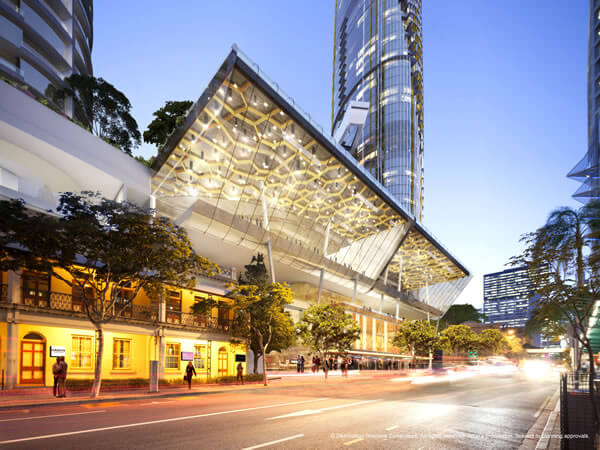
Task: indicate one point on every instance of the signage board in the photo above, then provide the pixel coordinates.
(240, 358)
(187, 356)
(57, 350)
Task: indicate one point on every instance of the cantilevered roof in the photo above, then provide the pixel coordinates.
(249, 165)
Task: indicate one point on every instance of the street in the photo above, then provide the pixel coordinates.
(447, 412)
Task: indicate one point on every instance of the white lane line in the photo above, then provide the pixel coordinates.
(307, 412)
(152, 422)
(353, 441)
(391, 428)
(296, 436)
(541, 408)
(54, 415)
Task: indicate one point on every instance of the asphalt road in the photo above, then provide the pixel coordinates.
(463, 413)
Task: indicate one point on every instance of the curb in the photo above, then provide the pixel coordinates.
(538, 435)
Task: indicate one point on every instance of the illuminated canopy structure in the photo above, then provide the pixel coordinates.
(248, 169)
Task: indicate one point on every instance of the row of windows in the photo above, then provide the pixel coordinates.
(82, 353)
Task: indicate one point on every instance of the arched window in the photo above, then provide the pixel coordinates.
(34, 336)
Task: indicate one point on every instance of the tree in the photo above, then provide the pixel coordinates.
(104, 246)
(491, 341)
(459, 338)
(328, 328)
(548, 320)
(562, 257)
(104, 109)
(418, 337)
(166, 119)
(458, 314)
(258, 308)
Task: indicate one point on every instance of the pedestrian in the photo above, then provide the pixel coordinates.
(302, 364)
(298, 364)
(344, 367)
(62, 377)
(189, 370)
(314, 364)
(240, 373)
(55, 371)
(317, 363)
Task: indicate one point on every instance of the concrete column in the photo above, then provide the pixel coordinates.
(397, 310)
(374, 334)
(355, 289)
(14, 287)
(363, 334)
(12, 353)
(161, 342)
(385, 336)
(381, 303)
(320, 286)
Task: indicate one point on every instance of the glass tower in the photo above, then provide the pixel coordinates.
(587, 171)
(378, 67)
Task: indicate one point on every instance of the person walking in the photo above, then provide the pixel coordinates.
(189, 370)
(240, 373)
(55, 371)
(302, 364)
(298, 364)
(62, 377)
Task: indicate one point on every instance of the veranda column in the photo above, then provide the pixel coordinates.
(12, 330)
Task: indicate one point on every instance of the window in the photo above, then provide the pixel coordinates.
(36, 288)
(200, 356)
(78, 295)
(124, 300)
(81, 352)
(172, 356)
(173, 306)
(121, 354)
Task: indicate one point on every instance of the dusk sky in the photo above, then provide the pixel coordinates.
(505, 96)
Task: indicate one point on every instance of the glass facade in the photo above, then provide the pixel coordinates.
(508, 297)
(378, 61)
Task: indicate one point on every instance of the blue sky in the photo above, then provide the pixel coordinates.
(505, 96)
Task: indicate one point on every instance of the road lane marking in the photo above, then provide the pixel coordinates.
(296, 436)
(541, 408)
(152, 422)
(102, 405)
(53, 415)
(391, 428)
(353, 441)
(157, 403)
(307, 412)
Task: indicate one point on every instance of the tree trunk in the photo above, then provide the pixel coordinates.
(98, 369)
(592, 376)
(264, 366)
(255, 355)
(325, 365)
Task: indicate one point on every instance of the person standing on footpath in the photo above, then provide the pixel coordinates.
(55, 371)
(240, 373)
(302, 364)
(298, 364)
(189, 370)
(62, 377)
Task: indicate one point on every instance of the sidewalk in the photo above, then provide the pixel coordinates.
(42, 396)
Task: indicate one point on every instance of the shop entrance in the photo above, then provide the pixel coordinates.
(33, 358)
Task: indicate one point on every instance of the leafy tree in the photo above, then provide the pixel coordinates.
(166, 119)
(103, 246)
(418, 337)
(458, 314)
(563, 262)
(258, 308)
(104, 109)
(328, 328)
(548, 320)
(459, 338)
(147, 162)
(491, 341)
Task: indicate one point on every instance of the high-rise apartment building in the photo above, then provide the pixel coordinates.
(42, 42)
(508, 297)
(587, 171)
(377, 104)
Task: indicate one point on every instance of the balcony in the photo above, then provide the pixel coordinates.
(60, 303)
(367, 311)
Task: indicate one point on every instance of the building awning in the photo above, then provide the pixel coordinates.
(248, 165)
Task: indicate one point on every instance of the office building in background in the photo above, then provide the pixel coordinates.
(377, 104)
(508, 297)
